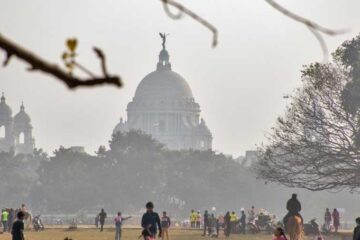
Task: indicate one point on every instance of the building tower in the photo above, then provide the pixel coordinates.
(15, 133)
(164, 107)
(6, 126)
(24, 142)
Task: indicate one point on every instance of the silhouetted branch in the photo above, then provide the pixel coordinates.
(39, 64)
(315, 28)
(182, 9)
(321, 42)
(102, 58)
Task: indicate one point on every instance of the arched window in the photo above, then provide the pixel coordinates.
(21, 138)
(2, 132)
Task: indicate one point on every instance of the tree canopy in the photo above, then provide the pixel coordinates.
(316, 144)
(134, 169)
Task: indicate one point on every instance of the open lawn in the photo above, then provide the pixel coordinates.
(108, 234)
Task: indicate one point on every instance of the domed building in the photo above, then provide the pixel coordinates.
(15, 132)
(164, 107)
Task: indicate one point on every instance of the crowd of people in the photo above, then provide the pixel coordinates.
(9, 216)
(153, 225)
(12, 221)
(230, 222)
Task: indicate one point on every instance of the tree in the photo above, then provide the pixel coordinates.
(134, 169)
(67, 176)
(316, 145)
(18, 175)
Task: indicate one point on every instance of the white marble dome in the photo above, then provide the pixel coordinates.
(163, 84)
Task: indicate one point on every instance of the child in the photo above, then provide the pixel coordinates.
(357, 229)
(118, 224)
(146, 235)
(279, 234)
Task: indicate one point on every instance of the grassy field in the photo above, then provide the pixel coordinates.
(132, 234)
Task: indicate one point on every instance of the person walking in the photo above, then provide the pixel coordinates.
(233, 221)
(97, 221)
(242, 222)
(336, 219)
(212, 225)
(327, 219)
(11, 218)
(151, 221)
(356, 233)
(193, 216)
(252, 214)
(219, 224)
(165, 225)
(17, 231)
(227, 225)
(102, 217)
(206, 222)
(198, 220)
(118, 224)
(4, 219)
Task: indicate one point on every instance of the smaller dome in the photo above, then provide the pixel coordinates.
(22, 117)
(5, 110)
(120, 127)
(203, 129)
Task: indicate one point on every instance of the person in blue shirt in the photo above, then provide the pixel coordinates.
(151, 220)
(242, 222)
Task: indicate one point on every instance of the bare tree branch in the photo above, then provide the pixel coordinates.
(322, 43)
(102, 58)
(39, 64)
(182, 9)
(315, 145)
(315, 28)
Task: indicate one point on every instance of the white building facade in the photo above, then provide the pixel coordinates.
(164, 107)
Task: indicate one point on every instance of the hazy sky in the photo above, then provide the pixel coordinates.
(239, 85)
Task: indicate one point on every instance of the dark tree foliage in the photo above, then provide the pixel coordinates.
(136, 168)
(18, 175)
(128, 174)
(316, 145)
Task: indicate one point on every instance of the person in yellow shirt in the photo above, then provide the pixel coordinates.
(193, 215)
(4, 219)
(233, 221)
